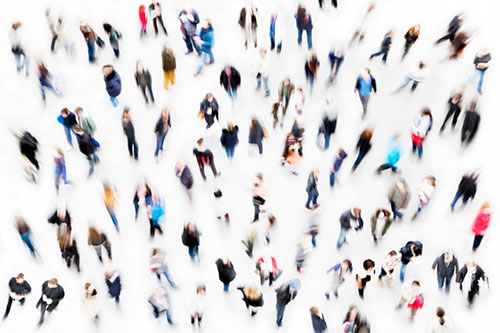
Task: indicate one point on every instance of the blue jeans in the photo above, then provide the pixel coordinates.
(384, 54)
(311, 83)
(446, 281)
(477, 242)
(418, 149)
(332, 179)
(169, 317)
(113, 101)
(476, 74)
(26, 237)
(312, 196)
(342, 237)
(193, 252)
(233, 93)
(204, 56)
(60, 173)
(91, 50)
(361, 155)
(67, 131)
(395, 211)
(405, 83)
(402, 272)
(226, 287)
(26, 63)
(93, 159)
(133, 148)
(455, 199)
(113, 218)
(309, 37)
(280, 309)
(230, 152)
(46, 84)
(266, 84)
(169, 279)
(159, 143)
(327, 140)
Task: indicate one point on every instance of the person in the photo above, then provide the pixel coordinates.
(113, 83)
(90, 301)
(161, 302)
(86, 122)
(446, 265)
(466, 189)
(28, 145)
(471, 124)
(220, 206)
(90, 39)
(87, 147)
(261, 71)
(425, 192)
(453, 27)
(441, 323)
(229, 139)
(366, 276)
(259, 194)
(250, 240)
(361, 29)
(204, 156)
(191, 239)
(205, 42)
(226, 272)
(411, 37)
(64, 36)
(248, 23)
(45, 79)
(391, 260)
(411, 250)
(349, 219)
(412, 296)
(393, 154)
(276, 31)
(304, 22)
(416, 75)
(318, 320)
(68, 247)
(144, 21)
(256, 135)
(209, 109)
(155, 13)
(458, 44)
(385, 46)
(339, 159)
(158, 265)
(142, 197)
(113, 282)
(336, 58)
(253, 298)
(284, 93)
(189, 19)
(328, 123)
(354, 322)
(60, 216)
(109, 199)
(129, 131)
(198, 305)
(378, 230)
(230, 80)
(480, 225)
(168, 66)
(284, 295)
(420, 128)
(18, 48)
(334, 4)
(67, 119)
(113, 35)
(481, 65)
(455, 105)
(312, 189)
(473, 282)
(19, 289)
(399, 197)
(161, 129)
(185, 176)
(24, 231)
(52, 294)
(156, 212)
(311, 68)
(97, 240)
(143, 80)
(299, 100)
(363, 146)
(341, 272)
(365, 84)
(304, 247)
(267, 268)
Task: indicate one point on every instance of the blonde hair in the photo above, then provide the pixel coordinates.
(252, 292)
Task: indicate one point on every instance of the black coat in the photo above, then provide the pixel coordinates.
(283, 295)
(363, 145)
(56, 220)
(129, 130)
(55, 294)
(471, 123)
(345, 220)
(252, 302)
(442, 269)
(160, 127)
(234, 79)
(190, 239)
(115, 287)
(186, 178)
(85, 144)
(70, 120)
(319, 323)
(474, 288)
(20, 289)
(28, 145)
(229, 139)
(406, 252)
(328, 126)
(226, 272)
(467, 187)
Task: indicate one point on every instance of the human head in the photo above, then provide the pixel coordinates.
(209, 97)
(79, 111)
(107, 69)
(164, 113)
(20, 278)
(356, 212)
(200, 142)
(347, 264)
(486, 208)
(448, 256)
(65, 112)
(314, 310)
(52, 283)
(201, 289)
(368, 264)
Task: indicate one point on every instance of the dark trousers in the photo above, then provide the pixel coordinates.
(360, 157)
(477, 241)
(133, 149)
(384, 53)
(44, 307)
(202, 169)
(273, 44)
(455, 114)
(53, 43)
(9, 304)
(153, 227)
(257, 202)
(155, 25)
(449, 36)
(150, 90)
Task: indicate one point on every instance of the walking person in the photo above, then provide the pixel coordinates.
(226, 272)
(385, 46)
(113, 83)
(446, 265)
(311, 69)
(161, 302)
(350, 219)
(481, 65)
(18, 48)
(248, 23)
(253, 298)
(185, 176)
(336, 58)
(420, 128)
(129, 131)
(425, 192)
(52, 294)
(284, 94)
(471, 124)
(113, 282)
(110, 198)
(453, 27)
(466, 189)
(144, 21)
(209, 109)
(46, 80)
(19, 289)
(91, 302)
(393, 154)
(304, 22)
(67, 119)
(328, 124)
(24, 231)
(87, 147)
(411, 37)
(339, 159)
(455, 106)
(113, 35)
(98, 240)
(90, 39)
(341, 272)
(381, 221)
(197, 305)
(284, 295)
(143, 80)
(318, 319)
(391, 260)
(441, 323)
(159, 266)
(365, 276)
(416, 75)
(312, 189)
(155, 13)
(189, 20)
(168, 65)
(259, 194)
(365, 84)
(276, 31)
(363, 146)
(261, 69)
(191, 239)
(411, 250)
(205, 42)
(161, 129)
(230, 80)
(204, 156)
(256, 135)
(156, 212)
(412, 296)
(87, 124)
(399, 197)
(474, 278)
(229, 139)
(481, 224)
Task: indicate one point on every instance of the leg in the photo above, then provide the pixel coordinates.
(130, 143)
(7, 309)
(334, 3)
(67, 131)
(402, 272)
(155, 25)
(266, 85)
(53, 43)
(455, 119)
(364, 103)
(342, 238)
(332, 179)
(256, 207)
(150, 89)
(384, 57)
(360, 157)
(90, 158)
(280, 309)
(202, 170)
(160, 19)
(272, 42)
(447, 284)
(405, 83)
(203, 62)
(309, 39)
(480, 83)
(280, 45)
(327, 140)
(43, 307)
(376, 54)
(299, 37)
(309, 199)
(169, 317)
(113, 101)
(477, 242)
(420, 149)
(212, 166)
(98, 251)
(136, 150)
(169, 279)
(414, 86)
(448, 115)
(226, 287)
(455, 199)
(440, 281)
(143, 90)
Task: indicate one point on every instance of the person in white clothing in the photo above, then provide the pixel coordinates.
(425, 193)
(421, 126)
(416, 75)
(197, 305)
(261, 70)
(441, 323)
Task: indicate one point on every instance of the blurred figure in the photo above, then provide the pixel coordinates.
(466, 189)
(471, 124)
(276, 31)
(113, 282)
(113, 83)
(248, 23)
(68, 247)
(68, 119)
(161, 302)
(341, 272)
(304, 22)
(385, 46)
(64, 37)
(412, 296)
(205, 43)
(317, 318)
(354, 322)
(362, 26)
(365, 84)
(329, 123)
(191, 239)
(113, 35)
(473, 282)
(311, 69)
(259, 194)
(19, 289)
(143, 80)
(129, 131)
(458, 45)
(284, 94)
(28, 145)
(256, 135)
(90, 39)
(185, 176)
(204, 156)
(284, 295)
(156, 214)
(209, 109)
(446, 265)
(411, 250)
(453, 27)
(261, 69)
(267, 268)
(304, 247)
(87, 147)
(161, 129)
(229, 139)
(334, 4)
(250, 241)
(339, 159)
(226, 272)
(142, 197)
(91, 302)
(411, 37)
(421, 126)
(336, 58)
(391, 260)
(52, 294)
(144, 20)
(46, 81)
(109, 199)
(61, 216)
(393, 154)
(455, 106)
(366, 276)
(381, 216)
(189, 19)
(87, 124)
(312, 189)
(416, 76)
(98, 240)
(159, 266)
(481, 65)
(18, 49)
(363, 146)
(481, 224)
(168, 66)
(24, 231)
(425, 192)
(298, 100)
(441, 323)
(253, 298)
(155, 13)
(198, 305)
(350, 219)
(230, 80)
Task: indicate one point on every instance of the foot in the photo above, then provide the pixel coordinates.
(327, 296)
(380, 283)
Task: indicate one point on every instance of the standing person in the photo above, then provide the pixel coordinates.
(253, 298)
(336, 58)
(411, 37)
(87, 124)
(67, 119)
(455, 105)
(441, 323)
(161, 129)
(453, 27)
(385, 46)
(425, 192)
(144, 20)
(161, 302)
(248, 23)
(318, 320)
(421, 126)
(447, 266)
(312, 189)
(399, 197)
(46, 81)
(52, 294)
(191, 239)
(155, 13)
(261, 69)
(97, 240)
(90, 39)
(284, 295)
(18, 49)
(412, 296)
(19, 289)
(378, 230)
(363, 146)
(349, 219)
(365, 84)
(391, 260)
(68, 247)
(416, 75)
(198, 305)
(189, 19)
(473, 282)
(481, 224)
(185, 176)
(311, 69)
(471, 124)
(143, 80)
(259, 194)
(393, 154)
(109, 199)
(229, 139)
(113, 35)
(158, 265)
(156, 213)
(90, 301)
(339, 159)
(209, 108)
(267, 269)
(60, 169)
(466, 189)
(168, 65)
(113, 282)
(129, 131)
(257, 134)
(366, 276)
(204, 156)
(328, 123)
(284, 93)
(113, 83)
(411, 250)
(230, 80)
(304, 22)
(87, 147)
(24, 231)
(205, 42)
(354, 322)
(481, 65)
(226, 272)
(341, 272)
(276, 31)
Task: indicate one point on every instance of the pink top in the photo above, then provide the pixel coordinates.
(481, 223)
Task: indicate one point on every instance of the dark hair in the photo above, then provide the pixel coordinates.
(20, 276)
(200, 141)
(301, 11)
(418, 251)
(440, 314)
(393, 253)
(107, 27)
(367, 134)
(368, 263)
(348, 262)
(65, 111)
(416, 282)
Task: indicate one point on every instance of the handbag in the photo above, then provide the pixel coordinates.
(100, 42)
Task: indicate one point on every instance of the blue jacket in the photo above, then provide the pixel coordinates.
(229, 139)
(113, 84)
(338, 161)
(304, 22)
(257, 136)
(115, 287)
(394, 153)
(207, 36)
(157, 211)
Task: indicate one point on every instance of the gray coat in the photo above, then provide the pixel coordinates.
(442, 269)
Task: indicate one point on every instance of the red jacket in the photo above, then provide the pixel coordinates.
(418, 303)
(481, 223)
(142, 17)
(273, 263)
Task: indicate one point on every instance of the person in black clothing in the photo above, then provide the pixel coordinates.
(191, 239)
(52, 294)
(311, 70)
(453, 27)
(129, 131)
(411, 250)
(349, 219)
(114, 284)
(60, 216)
(97, 239)
(455, 104)
(161, 129)
(19, 289)
(209, 109)
(230, 80)
(477, 274)
(67, 245)
(384, 47)
(155, 13)
(328, 123)
(143, 80)
(284, 294)
(204, 156)
(467, 188)
(411, 37)
(252, 297)
(471, 124)
(318, 320)
(87, 147)
(186, 177)
(447, 266)
(480, 66)
(28, 145)
(363, 146)
(226, 272)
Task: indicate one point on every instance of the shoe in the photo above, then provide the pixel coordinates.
(327, 296)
